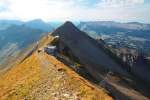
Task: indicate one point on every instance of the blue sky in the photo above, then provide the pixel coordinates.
(76, 10)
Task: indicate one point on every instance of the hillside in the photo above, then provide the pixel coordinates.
(79, 42)
(43, 77)
(14, 40)
(11, 59)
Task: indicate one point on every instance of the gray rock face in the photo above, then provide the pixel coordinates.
(87, 50)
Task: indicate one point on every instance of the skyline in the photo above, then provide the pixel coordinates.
(76, 10)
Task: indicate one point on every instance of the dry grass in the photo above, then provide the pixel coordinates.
(17, 82)
(22, 79)
(19, 79)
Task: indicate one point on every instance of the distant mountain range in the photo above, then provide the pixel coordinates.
(36, 24)
(19, 34)
(16, 35)
(39, 24)
(110, 27)
(4, 24)
(131, 35)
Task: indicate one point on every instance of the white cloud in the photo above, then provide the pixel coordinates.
(118, 3)
(31, 9)
(122, 10)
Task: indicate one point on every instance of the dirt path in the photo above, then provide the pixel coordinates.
(42, 77)
(53, 85)
(58, 82)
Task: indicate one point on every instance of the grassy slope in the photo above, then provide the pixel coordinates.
(17, 82)
(41, 72)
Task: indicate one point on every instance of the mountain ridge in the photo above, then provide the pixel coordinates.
(99, 61)
(39, 69)
(42, 76)
(80, 41)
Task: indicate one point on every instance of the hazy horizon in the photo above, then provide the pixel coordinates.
(74, 21)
